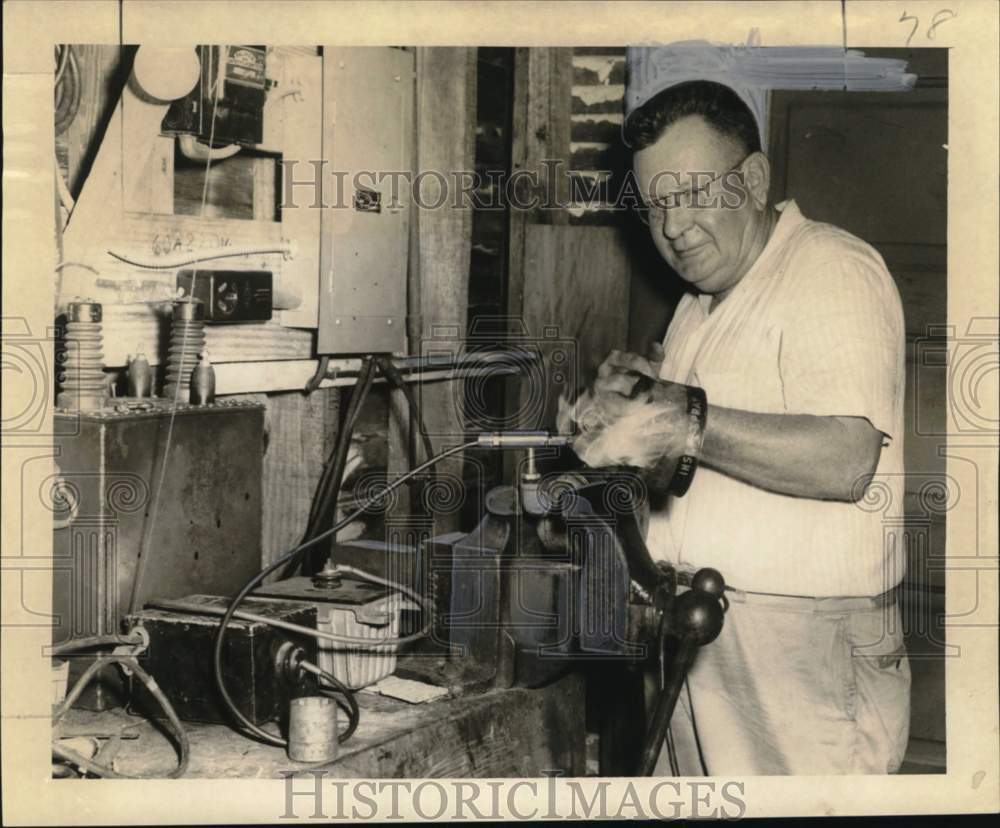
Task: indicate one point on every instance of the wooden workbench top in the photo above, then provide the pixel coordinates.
(503, 733)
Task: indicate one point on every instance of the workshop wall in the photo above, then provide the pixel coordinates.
(152, 209)
(570, 268)
(131, 191)
(440, 255)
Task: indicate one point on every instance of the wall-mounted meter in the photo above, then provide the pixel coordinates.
(367, 144)
(233, 86)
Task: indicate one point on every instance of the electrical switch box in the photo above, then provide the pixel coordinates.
(364, 240)
(230, 295)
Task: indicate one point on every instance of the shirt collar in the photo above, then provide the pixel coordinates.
(790, 219)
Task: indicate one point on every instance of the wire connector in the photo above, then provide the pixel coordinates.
(522, 439)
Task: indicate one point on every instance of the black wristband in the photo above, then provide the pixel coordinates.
(687, 463)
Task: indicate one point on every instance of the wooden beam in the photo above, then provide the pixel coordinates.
(446, 107)
(549, 125)
(302, 141)
(576, 308)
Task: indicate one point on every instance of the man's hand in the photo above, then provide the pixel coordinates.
(618, 374)
(630, 416)
(625, 419)
(618, 362)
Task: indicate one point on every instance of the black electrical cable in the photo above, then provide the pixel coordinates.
(394, 376)
(672, 753)
(349, 642)
(68, 91)
(320, 375)
(284, 560)
(78, 644)
(340, 693)
(668, 586)
(328, 490)
(330, 494)
(88, 765)
(130, 663)
(694, 729)
(324, 508)
(62, 53)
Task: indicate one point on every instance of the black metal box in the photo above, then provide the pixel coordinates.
(180, 659)
(204, 534)
(230, 295)
(196, 515)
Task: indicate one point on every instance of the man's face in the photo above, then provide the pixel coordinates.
(711, 247)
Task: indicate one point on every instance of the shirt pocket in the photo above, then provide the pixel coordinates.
(756, 387)
(743, 373)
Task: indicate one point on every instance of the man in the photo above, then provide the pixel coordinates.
(794, 330)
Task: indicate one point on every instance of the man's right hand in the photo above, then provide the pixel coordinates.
(618, 374)
(616, 377)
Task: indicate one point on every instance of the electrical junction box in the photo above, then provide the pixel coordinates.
(230, 295)
(181, 650)
(364, 239)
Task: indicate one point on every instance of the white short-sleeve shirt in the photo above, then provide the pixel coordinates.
(814, 327)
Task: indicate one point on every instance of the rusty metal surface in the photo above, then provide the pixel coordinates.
(206, 536)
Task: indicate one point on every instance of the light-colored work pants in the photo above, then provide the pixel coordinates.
(796, 686)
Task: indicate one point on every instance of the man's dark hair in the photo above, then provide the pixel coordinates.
(720, 106)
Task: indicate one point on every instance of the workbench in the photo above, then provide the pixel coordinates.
(502, 733)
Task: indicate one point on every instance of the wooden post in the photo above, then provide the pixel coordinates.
(446, 132)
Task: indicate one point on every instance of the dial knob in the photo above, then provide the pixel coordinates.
(698, 615)
(709, 580)
(227, 298)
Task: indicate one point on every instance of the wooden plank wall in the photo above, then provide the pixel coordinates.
(300, 430)
(441, 248)
(597, 160)
(576, 287)
(569, 283)
(137, 221)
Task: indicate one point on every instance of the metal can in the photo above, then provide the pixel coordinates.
(312, 729)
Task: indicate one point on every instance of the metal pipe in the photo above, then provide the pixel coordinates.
(666, 703)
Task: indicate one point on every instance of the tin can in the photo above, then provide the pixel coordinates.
(312, 729)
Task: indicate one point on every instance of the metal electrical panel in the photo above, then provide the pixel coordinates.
(367, 154)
